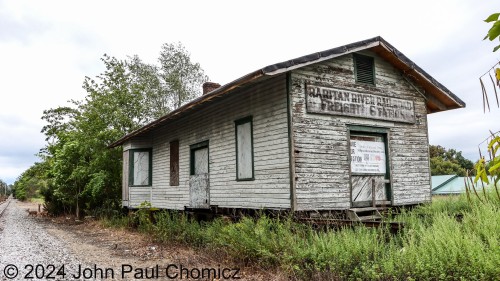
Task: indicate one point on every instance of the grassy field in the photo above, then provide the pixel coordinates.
(450, 239)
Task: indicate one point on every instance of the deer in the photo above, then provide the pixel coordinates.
(44, 213)
(32, 213)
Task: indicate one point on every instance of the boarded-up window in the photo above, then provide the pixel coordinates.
(174, 163)
(244, 149)
(140, 172)
(199, 158)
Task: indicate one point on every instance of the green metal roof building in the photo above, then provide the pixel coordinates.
(449, 185)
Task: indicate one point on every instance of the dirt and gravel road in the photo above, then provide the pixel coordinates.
(40, 247)
(25, 244)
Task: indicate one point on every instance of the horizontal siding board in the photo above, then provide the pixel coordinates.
(321, 141)
(266, 103)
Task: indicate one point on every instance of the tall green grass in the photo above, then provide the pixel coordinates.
(450, 239)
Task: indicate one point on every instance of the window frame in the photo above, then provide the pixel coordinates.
(241, 121)
(192, 149)
(355, 60)
(386, 135)
(131, 166)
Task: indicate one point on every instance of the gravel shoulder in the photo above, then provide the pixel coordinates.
(25, 244)
(37, 240)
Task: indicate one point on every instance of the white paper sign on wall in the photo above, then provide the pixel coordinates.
(367, 157)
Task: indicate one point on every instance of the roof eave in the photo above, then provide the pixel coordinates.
(412, 69)
(320, 56)
(451, 101)
(196, 102)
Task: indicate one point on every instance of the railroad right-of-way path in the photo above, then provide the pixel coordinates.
(41, 248)
(27, 250)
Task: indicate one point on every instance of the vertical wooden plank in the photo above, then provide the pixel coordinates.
(174, 163)
(291, 143)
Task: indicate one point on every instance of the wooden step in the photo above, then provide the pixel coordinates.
(363, 209)
(370, 218)
(364, 214)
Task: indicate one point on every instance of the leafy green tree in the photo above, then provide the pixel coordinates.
(30, 181)
(4, 188)
(146, 81)
(183, 79)
(83, 172)
(448, 161)
(441, 167)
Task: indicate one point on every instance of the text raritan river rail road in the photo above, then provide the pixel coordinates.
(335, 101)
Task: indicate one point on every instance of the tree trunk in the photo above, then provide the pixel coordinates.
(77, 206)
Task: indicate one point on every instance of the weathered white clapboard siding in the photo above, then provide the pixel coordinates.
(266, 103)
(321, 142)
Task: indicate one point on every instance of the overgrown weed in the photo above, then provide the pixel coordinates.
(450, 239)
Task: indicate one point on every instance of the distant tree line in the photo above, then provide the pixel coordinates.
(449, 162)
(4, 188)
(77, 171)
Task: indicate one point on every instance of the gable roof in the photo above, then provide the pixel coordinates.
(438, 97)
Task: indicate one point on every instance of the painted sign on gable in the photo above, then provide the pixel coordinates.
(367, 157)
(335, 101)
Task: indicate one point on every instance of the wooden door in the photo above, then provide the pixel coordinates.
(199, 181)
(368, 169)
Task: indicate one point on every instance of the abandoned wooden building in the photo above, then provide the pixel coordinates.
(333, 130)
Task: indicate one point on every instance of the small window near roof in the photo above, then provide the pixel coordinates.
(364, 68)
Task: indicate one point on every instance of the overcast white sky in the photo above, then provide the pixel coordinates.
(48, 47)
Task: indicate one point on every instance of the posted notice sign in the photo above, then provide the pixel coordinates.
(367, 157)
